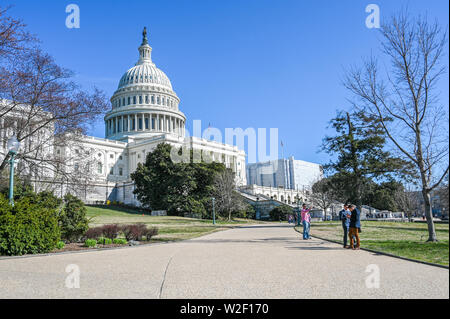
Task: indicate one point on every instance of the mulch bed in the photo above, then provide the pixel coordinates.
(80, 246)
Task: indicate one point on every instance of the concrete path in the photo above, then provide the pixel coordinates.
(250, 262)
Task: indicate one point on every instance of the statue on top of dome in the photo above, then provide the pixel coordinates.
(144, 36)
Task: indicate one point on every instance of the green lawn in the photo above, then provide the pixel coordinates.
(170, 227)
(397, 238)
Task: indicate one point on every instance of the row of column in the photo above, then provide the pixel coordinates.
(144, 122)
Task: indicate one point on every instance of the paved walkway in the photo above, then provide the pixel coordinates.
(249, 262)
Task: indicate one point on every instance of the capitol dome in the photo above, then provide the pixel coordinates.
(144, 73)
(144, 103)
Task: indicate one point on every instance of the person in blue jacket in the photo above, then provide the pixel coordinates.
(354, 227)
(343, 216)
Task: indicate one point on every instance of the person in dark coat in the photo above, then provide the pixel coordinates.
(343, 216)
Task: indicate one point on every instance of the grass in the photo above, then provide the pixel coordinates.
(397, 238)
(170, 228)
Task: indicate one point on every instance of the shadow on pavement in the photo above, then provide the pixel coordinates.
(314, 248)
(266, 226)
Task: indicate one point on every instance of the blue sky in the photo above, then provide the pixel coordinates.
(234, 63)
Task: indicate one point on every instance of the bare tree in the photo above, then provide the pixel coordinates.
(13, 36)
(323, 195)
(407, 201)
(406, 93)
(45, 109)
(228, 200)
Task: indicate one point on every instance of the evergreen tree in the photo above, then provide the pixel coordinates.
(359, 147)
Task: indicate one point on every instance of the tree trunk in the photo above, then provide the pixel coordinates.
(429, 215)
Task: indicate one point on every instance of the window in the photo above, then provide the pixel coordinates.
(140, 99)
(99, 168)
(111, 170)
(111, 155)
(120, 171)
(146, 99)
(99, 154)
(153, 99)
(134, 100)
(120, 157)
(129, 100)
(158, 101)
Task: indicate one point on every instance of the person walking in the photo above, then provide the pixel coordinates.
(306, 221)
(343, 216)
(354, 227)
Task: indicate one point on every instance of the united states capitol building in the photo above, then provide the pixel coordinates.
(145, 112)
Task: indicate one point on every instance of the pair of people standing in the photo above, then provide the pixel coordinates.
(351, 224)
(306, 221)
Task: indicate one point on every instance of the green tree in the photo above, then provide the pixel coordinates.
(154, 179)
(359, 148)
(383, 196)
(181, 187)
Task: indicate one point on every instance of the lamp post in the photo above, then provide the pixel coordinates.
(298, 211)
(214, 212)
(13, 147)
(257, 214)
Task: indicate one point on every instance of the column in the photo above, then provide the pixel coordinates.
(135, 122)
(143, 121)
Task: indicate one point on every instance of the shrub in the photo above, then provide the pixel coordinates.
(60, 245)
(90, 242)
(280, 212)
(27, 228)
(120, 241)
(133, 231)
(150, 232)
(94, 233)
(72, 220)
(104, 241)
(110, 231)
